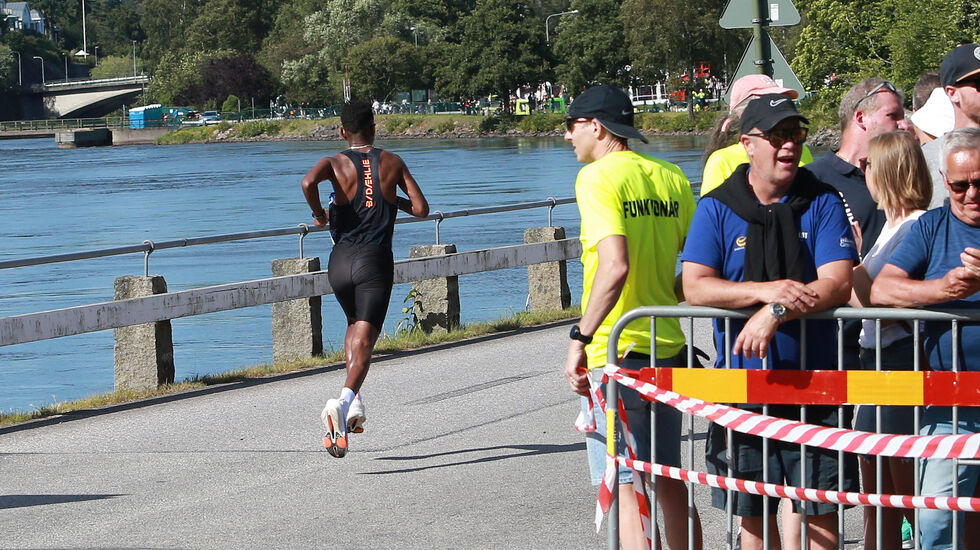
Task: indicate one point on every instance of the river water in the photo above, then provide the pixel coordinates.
(55, 201)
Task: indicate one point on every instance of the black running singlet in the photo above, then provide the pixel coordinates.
(368, 217)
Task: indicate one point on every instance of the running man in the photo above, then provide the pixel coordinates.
(365, 181)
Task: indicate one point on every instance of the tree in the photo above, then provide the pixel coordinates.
(8, 68)
(381, 66)
(502, 49)
(112, 65)
(329, 33)
(894, 39)
(238, 25)
(235, 74)
(667, 37)
(164, 22)
(590, 45)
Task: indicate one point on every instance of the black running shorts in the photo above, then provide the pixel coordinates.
(361, 276)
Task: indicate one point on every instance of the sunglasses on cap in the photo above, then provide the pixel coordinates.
(777, 138)
(570, 121)
(883, 86)
(962, 186)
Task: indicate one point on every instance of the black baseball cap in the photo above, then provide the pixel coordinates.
(766, 111)
(610, 106)
(960, 64)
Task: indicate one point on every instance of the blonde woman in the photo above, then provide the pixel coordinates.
(898, 180)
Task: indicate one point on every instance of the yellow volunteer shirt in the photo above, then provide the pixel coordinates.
(650, 202)
(722, 163)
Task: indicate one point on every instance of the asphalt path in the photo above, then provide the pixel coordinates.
(467, 445)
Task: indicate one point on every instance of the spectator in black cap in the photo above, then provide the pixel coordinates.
(635, 213)
(959, 74)
(775, 239)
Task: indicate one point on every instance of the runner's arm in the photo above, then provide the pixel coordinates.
(322, 170)
(416, 204)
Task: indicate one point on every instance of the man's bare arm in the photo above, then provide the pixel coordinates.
(416, 205)
(703, 286)
(894, 287)
(322, 170)
(608, 284)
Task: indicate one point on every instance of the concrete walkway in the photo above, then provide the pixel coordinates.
(467, 445)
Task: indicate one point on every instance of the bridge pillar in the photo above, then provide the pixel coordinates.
(548, 282)
(297, 325)
(144, 354)
(436, 300)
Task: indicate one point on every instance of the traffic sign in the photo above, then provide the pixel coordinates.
(782, 73)
(739, 14)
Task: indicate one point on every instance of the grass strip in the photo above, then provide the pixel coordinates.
(387, 343)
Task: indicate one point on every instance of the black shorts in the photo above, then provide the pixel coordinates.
(361, 276)
(784, 463)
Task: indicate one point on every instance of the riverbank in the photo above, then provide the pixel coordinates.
(447, 126)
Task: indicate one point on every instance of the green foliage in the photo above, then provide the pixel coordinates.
(445, 126)
(590, 45)
(397, 124)
(502, 48)
(112, 66)
(541, 122)
(412, 306)
(8, 68)
(255, 128)
(182, 136)
(382, 66)
(499, 123)
(231, 104)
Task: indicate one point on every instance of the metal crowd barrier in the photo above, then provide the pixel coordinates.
(303, 229)
(843, 388)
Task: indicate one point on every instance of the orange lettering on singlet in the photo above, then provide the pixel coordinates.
(368, 184)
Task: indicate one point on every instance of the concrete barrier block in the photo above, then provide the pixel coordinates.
(144, 354)
(547, 282)
(297, 325)
(437, 300)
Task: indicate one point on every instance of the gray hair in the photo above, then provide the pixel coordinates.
(858, 95)
(961, 138)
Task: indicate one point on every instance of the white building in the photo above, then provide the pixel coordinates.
(20, 17)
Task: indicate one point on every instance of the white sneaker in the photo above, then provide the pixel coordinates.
(356, 417)
(335, 440)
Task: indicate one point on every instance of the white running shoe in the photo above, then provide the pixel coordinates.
(335, 439)
(356, 417)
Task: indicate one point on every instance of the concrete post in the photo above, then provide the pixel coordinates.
(144, 354)
(297, 325)
(437, 300)
(548, 282)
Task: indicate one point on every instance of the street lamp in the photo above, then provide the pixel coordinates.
(416, 33)
(84, 36)
(41, 59)
(134, 59)
(546, 38)
(66, 68)
(96, 55)
(20, 77)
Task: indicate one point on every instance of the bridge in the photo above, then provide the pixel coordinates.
(81, 98)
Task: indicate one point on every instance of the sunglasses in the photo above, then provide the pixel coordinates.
(883, 86)
(962, 186)
(570, 121)
(777, 138)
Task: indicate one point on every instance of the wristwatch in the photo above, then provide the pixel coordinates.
(576, 334)
(777, 310)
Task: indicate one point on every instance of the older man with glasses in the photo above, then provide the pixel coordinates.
(938, 264)
(959, 75)
(775, 239)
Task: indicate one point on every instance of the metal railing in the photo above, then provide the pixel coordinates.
(916, 316)
(148, 246)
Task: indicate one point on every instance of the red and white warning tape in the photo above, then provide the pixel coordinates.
(790, 431)
(960, 504)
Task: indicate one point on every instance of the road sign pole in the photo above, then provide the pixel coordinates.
(760, 22)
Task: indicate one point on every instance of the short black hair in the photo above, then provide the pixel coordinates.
(357, 116)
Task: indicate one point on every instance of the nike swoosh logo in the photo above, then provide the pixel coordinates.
(627, 112)
(775, 102)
